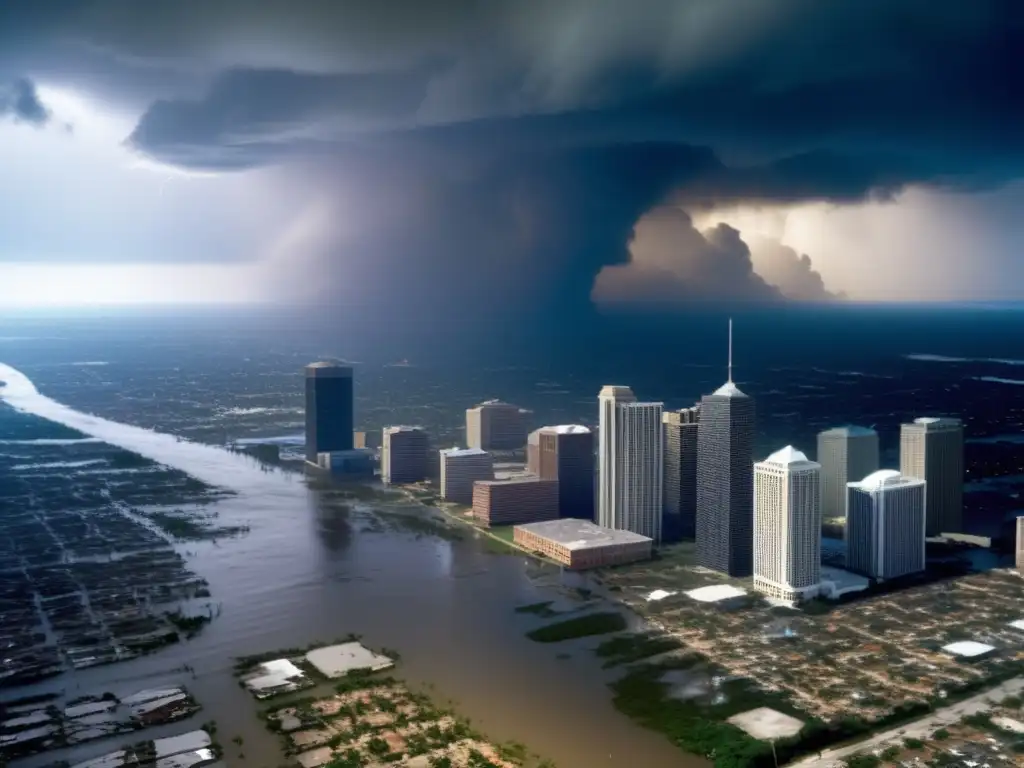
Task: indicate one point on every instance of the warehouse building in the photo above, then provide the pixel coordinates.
(579, 544)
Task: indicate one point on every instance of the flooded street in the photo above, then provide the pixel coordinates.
(310, 572)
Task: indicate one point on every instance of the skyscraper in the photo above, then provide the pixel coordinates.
(498, 426)
(629, 463)
(565, 453)
(787, 526)
(933, 450)
(460, 468)
(328, 409)
(885, 525)
(844, 453)
(403, 454)
(679, 504)
(1019, 549)
(725, 479)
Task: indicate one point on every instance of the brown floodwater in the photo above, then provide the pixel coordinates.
(307, 572)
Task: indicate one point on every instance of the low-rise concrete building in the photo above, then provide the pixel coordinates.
(460, 468)
(517, 500)
(580, 544)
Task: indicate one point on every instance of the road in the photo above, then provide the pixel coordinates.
(918, 729)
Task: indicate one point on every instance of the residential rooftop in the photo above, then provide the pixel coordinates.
(576, 534)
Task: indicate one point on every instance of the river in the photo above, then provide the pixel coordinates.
(306, 573)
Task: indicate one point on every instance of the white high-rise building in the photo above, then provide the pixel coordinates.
(787, 526)
(630, 456)
(885, 525)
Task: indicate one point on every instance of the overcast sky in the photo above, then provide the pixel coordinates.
(572, 152)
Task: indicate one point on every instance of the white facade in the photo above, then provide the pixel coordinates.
(885, 525)
(460, 468)
(787, 526)
(630, 463)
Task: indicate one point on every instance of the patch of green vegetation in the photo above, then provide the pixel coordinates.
(941, 735)
(542, 608)
(627, 649)
(862, 761)
(580, 626)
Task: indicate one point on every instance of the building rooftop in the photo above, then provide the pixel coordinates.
(494, 404)
(939, 422)
(581, 534)
(850, 431)
(339, 370)
(566, 429)
(715, 593)
(788, 456)
(519, 479)
(402, 428)
(968, 648)
(884, 478)
(729, 389)
(463, 452)
(617, 391)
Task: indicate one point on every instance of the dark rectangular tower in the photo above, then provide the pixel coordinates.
(679, 502)
(725, 479)
(328, 409)
(566, 453)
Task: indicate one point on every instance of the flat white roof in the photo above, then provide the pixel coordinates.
(518, 478)
(715, 593)
(968, 648)
(463, 452)
(274, 674)
(339, 660)
(850, 430)
(1019, 624)
(576, 534)
(566, 429)
(659, 594)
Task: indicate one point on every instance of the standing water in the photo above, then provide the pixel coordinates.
(308, 571)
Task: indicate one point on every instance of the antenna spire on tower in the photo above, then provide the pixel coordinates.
(730, 351)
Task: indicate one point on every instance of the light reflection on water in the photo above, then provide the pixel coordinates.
(306, 573)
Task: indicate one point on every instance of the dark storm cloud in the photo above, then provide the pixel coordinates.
(522, 141)
(20, 101)
(673, 263)
(792, 273)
